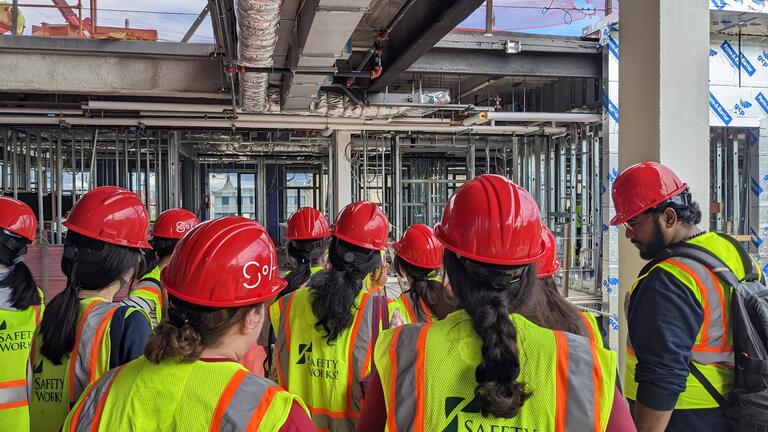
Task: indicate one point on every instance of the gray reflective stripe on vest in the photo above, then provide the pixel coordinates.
(281, 344)
(405, 389)
(716, 333)
(580, 408)
(144, 304)
(82, 371)
(324, 422)
(90, 406)
(247, 398)
(13, 394)
(362, 340)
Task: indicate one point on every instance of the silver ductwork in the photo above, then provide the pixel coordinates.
(258, 21)
(338, 105)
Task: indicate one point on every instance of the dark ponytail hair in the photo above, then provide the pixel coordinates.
(304, 254)
(423, 288)
(23, 287)
(88, 264)
(333, 291)
(490, 294)
(161, 248)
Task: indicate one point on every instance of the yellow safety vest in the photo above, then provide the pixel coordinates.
(427, 372)
(148, 295)
(592, 327)
(17, 328)
(370, 285)
(54, 388)
(326, 377)
(712, 352)
(407, 309)
(190, 396)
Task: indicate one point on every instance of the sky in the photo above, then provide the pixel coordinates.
(546, 17)
(171, 18)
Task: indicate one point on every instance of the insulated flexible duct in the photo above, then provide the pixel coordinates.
(258, 21)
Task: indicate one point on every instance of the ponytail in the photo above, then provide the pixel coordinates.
(190, 329)
(19, 279)
(23, 287)
(423, 288)
(304, 254)
(333, 291)
(59, 323)
(490, 294)
(88, 264)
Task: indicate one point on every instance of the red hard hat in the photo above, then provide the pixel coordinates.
(174, 223)
(307, 223)
(18, 218)
(642, 187)
(223, 263)
(420, 247)
(492, 220)
(362, 224)
(548, 264)
(112, 215)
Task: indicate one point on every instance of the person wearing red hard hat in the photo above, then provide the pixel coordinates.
(83, 334)
(485, 366)
(307, 236)
(677, 300)
(168, 229)
(325, 331)
(571, 320)
(419, 259)
(218, 280)
(21, 307)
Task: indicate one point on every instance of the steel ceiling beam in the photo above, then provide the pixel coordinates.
(492, 63)
(427, 22)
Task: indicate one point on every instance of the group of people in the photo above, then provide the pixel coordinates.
(480, 340)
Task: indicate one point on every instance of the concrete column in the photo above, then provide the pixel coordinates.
(664, 85)
(341, 183)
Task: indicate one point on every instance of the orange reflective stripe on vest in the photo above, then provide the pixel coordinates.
(712, 345)
(87, 415)
(13, 394)
(579, 380)
(283, 342)
(83, 366)
(580, 386)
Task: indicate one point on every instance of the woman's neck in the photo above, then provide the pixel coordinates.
(107, 293)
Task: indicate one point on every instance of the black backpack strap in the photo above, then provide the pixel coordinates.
(708, 386)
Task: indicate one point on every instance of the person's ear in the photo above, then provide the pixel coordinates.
(669, 217)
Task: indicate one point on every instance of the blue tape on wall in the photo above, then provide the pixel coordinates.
(610, 107)
(613, 47)
(762, 101)
(755, 186)
(737, 59)
(747, 65)
(719, 4)
(730, 54)
(756, 240)
(719, 110)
